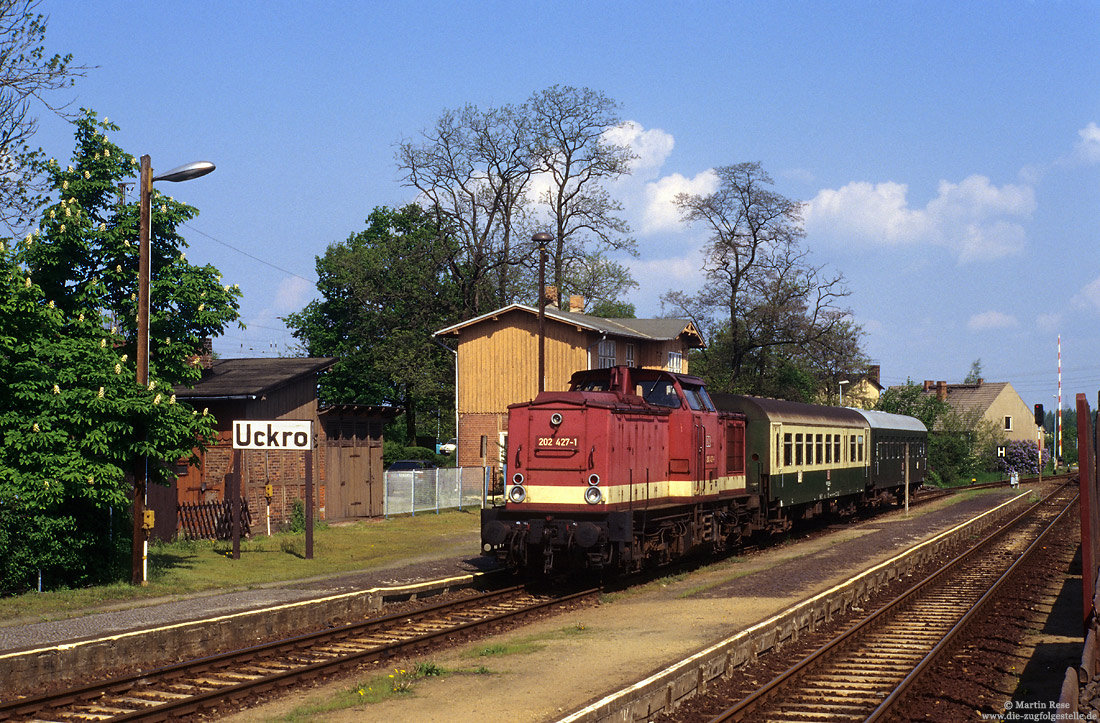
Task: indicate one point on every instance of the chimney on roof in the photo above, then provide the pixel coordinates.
(207, 353)
(941, 391)
(928, 383)
(551, 295)
(873, 373)
(576, 303)
(980, 380)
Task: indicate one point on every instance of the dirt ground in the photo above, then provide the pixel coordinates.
(583, 655)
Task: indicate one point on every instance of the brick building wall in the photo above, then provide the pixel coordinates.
(479, 444)
(284, 470)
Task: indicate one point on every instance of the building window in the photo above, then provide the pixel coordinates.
(675, 361)
(607, 354)
(628, 358)
(1008, 424)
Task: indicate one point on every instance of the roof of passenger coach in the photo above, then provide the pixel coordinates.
(780, 410)
(889, 421)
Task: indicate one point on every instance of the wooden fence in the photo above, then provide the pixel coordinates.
(211, 520)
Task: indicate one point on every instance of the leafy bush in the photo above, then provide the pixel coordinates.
(1023, 457)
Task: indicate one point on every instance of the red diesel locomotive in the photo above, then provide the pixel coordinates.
(628, 467)
(636, 467)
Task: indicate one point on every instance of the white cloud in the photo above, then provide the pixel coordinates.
(293, 293)
(659, 212)
(652, 146)
(1089, 296)
(1049, 322)
(802, 175)
(656, 276)
(969, 218)
(1088, 147)
(989, 320)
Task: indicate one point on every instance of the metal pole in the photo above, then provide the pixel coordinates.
(235, 503)
(145, 182)
(906, 479)
(309, 504)
(542, 239)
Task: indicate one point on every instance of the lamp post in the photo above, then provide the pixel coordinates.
(542, 239)
(182, 173)
(842, 391)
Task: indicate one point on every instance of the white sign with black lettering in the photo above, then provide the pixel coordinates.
(288, 434)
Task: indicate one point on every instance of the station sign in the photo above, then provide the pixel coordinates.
(282, 434)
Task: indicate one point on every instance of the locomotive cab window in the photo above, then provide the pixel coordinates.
(660, 393)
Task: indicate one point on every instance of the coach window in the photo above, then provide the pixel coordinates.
(787, 449)
(836, 448)
(809, 449)
(798, 449)
(852, 448)
(820, 455)
(859, 447)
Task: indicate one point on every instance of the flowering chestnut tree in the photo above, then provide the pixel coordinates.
(72, 418)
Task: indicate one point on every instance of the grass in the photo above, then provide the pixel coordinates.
(186, 567)
(376, 689)
(528, 643)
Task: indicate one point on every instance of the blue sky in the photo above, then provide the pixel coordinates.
(948, 153)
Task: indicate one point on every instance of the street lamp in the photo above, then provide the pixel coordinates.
(542, 239)
(182, 173)
(842, 391)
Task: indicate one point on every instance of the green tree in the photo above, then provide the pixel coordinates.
(764, 307)
(72, 418)
(28, 77)
(975, 372)
(85, 253)
(384, 291)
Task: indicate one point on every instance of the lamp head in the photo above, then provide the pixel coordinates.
(186, 172)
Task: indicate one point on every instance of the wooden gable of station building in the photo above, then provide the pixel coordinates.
(498, 360)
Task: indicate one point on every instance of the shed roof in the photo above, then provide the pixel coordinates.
(228, 378)
(648, 329)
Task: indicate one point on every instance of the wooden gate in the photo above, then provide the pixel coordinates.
(353, 463)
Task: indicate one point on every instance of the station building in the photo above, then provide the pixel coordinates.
(497, 363)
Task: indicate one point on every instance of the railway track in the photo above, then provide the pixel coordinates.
(863, 673)
(191, 686)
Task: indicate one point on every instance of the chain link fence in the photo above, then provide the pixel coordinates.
(408, 492)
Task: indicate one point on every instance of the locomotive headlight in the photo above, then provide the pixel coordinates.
(517, 494)
(517, 478)
(555, 419)
(593, 496)
(593, 479)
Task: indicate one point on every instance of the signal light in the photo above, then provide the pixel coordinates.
(1039, 416)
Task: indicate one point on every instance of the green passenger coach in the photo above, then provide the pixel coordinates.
(803, 454)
